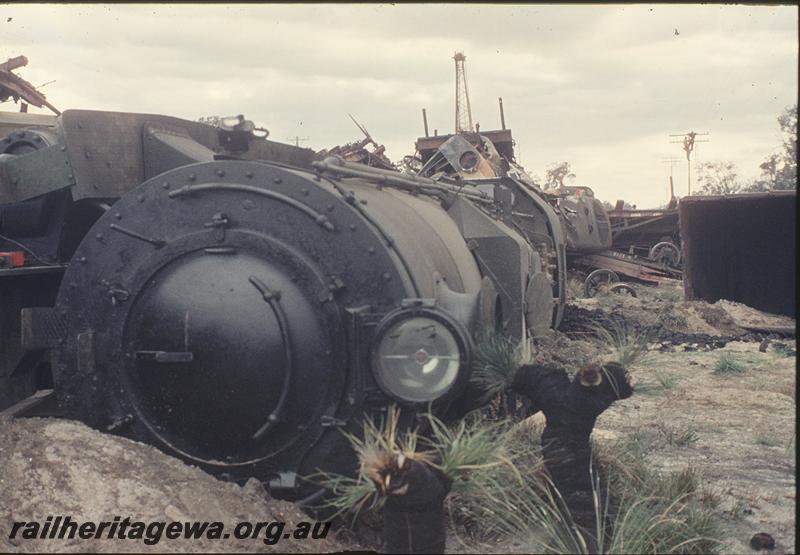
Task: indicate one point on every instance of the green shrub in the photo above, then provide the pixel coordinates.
(496, 361)
(727, 364)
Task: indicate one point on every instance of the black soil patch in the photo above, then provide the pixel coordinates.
(580, 322)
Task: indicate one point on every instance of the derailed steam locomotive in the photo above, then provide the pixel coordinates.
(236, 303)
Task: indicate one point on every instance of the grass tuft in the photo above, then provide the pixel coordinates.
(782, 349)
(628, 347)
(677, 437)
(497, 359)
(501, 493)
(727, 364)
(665, 381)
(349, 496)
(639, 510)
(379, 442)
(662, 383)
(658, 512)
(574, 288)
(472, 445)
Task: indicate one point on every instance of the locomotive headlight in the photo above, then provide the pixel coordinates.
(230, 122)
(420, 355)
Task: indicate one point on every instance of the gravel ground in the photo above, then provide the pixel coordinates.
(736, 431)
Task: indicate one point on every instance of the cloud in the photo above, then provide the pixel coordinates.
(599, 86)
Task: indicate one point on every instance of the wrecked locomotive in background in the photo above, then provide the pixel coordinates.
(483, 159)
(605, 245)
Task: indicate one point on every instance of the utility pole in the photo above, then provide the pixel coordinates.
(688, 142)
(297, 140)
(463, 110)
(671, 192)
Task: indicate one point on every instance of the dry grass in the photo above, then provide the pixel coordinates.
(627, 346)
(727, 364)
(657, 512)
(649, 512)
(501, 494)
(574, 288)
(783, 349)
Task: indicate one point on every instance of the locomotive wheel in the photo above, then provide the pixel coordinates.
(665, 252)
(26, 141)
(597, 279)
(623, 289)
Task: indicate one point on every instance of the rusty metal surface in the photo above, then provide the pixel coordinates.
(631, 266)
(457, 157)
(13, 86)
(643, 228)
(586, 223)
(357, 151)
(741, 248)
(637, 214)
(14, 63)
(501, 139)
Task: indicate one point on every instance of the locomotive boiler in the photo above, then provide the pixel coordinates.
(238, 304)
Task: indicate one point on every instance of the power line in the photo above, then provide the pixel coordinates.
(297, 140)
(669, 161)
(688, 141)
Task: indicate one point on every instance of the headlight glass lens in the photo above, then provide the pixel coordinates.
(417, 359)
(231, 121)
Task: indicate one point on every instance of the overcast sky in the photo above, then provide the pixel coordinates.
(599, 86)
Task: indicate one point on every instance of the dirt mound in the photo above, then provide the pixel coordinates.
(60, 467)
(749, 317)
(666, 318)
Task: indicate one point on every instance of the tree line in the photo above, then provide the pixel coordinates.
(721, 177)
(778, 170)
